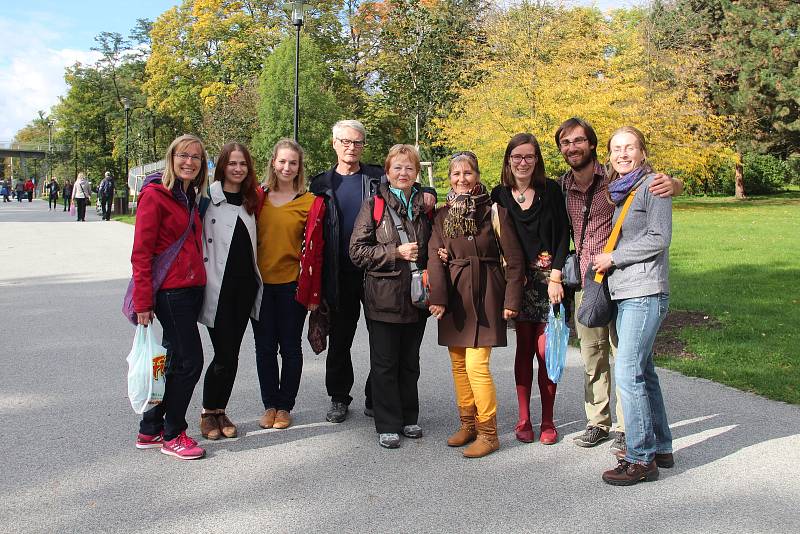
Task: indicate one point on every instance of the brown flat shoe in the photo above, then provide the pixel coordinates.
(282, 420)
(268, 419)
(209, 426)
(226, 426)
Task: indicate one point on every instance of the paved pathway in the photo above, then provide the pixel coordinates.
(69, 465)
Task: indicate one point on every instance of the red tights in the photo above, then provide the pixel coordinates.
(530, 342)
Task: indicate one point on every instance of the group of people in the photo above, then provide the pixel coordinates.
(371, 236)
(80, 193)
(22, 189)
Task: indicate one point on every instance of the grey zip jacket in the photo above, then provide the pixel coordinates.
(641, 258)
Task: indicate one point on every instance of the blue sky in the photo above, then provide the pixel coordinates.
(41, 38)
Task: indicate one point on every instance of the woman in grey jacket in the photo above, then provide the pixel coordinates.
(638, 279)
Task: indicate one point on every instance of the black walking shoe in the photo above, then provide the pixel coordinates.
(389, 440)
(412, 431)
(369, 412)
(337, 412)
(591, 437)
(618, 446)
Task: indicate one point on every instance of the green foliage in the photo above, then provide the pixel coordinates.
(318, 108)
(764, 173)
(231, 118)
(737, 262)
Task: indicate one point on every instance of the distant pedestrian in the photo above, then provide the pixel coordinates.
(233, 283)
(81, 194)
(66, 192)
(106, 194)
(19, 190)
(5, 191)
(52, 194)
(29, 187)
(167, 214)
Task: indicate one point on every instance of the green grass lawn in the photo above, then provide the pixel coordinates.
(130, 219)
(738, 262)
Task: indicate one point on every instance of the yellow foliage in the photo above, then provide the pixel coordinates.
(551, 64)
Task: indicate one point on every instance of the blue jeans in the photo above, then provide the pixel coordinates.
(646, 428)
(280, 324)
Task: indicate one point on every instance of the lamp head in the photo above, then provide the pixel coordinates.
(298, 12)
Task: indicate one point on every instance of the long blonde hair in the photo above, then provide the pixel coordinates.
(180, 143)
(299, 182)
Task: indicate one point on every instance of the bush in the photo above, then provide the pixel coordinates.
(793, 164)
(764, 174)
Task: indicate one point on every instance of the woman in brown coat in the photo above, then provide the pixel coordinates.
(472, 297)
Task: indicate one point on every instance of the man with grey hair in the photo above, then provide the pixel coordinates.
(106, 194)
(344, 187)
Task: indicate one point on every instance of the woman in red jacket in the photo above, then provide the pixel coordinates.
(167, 214)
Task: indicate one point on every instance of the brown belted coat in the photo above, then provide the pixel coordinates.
(471, 286)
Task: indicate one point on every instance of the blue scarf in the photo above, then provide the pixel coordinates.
(619, 188)
(403, 202)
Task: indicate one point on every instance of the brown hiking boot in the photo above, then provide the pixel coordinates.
(467, 432)
(628, 474)
(486, 442)
(665, 460)
(268, 419)
(282, 420)
(209, 426)
(226, 426)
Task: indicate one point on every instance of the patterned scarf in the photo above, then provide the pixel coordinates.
(461, 218)
(619, 188)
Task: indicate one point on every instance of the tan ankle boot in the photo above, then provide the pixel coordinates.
(467, 432)
(486, 442)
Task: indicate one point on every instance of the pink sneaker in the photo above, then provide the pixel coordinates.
(183, 447)
(146, 441)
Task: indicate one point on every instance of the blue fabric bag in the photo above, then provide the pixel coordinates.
(146, 371)
(556, 341)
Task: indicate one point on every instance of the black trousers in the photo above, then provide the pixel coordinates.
(105, 205)
(344, 321)
(81, 207)
(52, 202)
(66, 203)
(236, 298)
(177, 310)
(394, 371)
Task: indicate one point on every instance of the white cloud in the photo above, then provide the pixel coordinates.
(32, 74)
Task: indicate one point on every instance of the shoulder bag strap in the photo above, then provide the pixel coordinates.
(611, 244)
(587, 206)
(398, 224)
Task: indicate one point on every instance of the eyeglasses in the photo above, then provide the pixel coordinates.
(565, 143)
(464, 153)
(358, 143)
(517, 158)
(183, 156)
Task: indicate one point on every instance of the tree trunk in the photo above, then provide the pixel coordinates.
(739, 179)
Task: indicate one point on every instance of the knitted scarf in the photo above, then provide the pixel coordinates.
(461, 218)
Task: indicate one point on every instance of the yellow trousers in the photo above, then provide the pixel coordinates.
(473, 380)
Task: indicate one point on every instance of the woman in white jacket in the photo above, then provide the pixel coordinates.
(233, 287)
(81, 195)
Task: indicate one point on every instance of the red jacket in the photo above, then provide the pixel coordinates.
(29, 186)
(160, 222)
(309, 283)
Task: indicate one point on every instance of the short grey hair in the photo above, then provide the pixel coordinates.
(349, 123)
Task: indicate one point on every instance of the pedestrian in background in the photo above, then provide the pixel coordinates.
(472, 297)
(395, 324)
(106, 194)
(167, 213)
(233, 283)
(5, 191)
(290, 250)
(29, 188)
(66, 193)
(81, 194)
(19, 190)
(52, 194)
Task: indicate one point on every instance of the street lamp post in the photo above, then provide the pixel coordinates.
(297, 22)
(127, 105)
(50, 125)
(75, 129)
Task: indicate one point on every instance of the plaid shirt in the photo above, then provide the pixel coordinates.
(599, 225)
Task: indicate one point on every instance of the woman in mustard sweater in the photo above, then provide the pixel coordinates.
(281, 227)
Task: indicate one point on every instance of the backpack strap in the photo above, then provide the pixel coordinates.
(203, 206)
(377, 209)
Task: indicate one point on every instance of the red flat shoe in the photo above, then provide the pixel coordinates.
(524, 432)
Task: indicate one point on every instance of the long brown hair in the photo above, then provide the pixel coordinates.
(200, 181)
(249, 195)
(507, 177)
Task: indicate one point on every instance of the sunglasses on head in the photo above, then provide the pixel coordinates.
(464, 153)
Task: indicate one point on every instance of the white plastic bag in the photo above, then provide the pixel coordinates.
(146, 370)
(556, 341)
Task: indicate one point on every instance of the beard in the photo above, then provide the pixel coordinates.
(583, 162)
